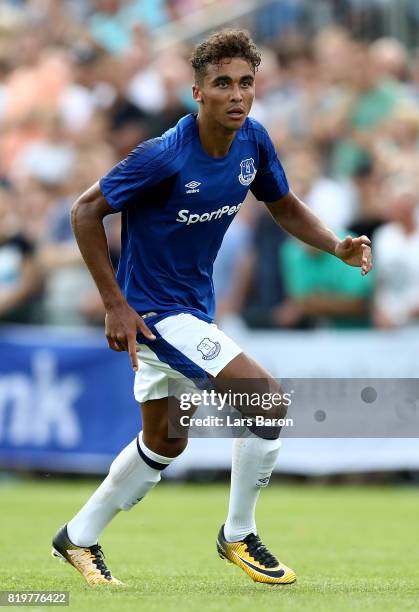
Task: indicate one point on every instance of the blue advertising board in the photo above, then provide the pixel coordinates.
(66, 400)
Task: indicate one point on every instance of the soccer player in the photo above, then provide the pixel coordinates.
(178, 194)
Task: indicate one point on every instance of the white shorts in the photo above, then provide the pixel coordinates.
(186, 349)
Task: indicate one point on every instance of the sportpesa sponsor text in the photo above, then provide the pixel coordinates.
(184, 216)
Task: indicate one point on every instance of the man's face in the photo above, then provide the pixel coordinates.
(226, 93)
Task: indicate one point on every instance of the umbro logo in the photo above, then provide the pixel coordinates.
(192, 187)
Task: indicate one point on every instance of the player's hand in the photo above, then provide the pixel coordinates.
(121, 326)
(355, 252)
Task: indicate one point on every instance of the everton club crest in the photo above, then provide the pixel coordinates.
(247, 171)
(209, 348)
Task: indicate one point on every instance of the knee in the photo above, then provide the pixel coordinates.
(277, 402)
(278, 412)
(273, 409)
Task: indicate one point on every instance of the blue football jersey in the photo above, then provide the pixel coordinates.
(177, 203)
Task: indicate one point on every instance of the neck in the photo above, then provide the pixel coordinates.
(215, 139)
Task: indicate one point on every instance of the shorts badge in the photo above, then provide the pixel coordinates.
(208, 348)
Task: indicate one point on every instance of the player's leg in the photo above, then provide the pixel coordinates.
(193, 346)
(155, 422)
(254, 458)
(132, 474)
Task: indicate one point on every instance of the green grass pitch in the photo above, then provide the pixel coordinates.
(353, 548)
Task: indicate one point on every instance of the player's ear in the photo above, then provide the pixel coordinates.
(196, 93)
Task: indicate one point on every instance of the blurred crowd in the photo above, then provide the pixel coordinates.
(82, 83)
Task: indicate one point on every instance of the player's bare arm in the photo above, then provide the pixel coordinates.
(122, 322)
(297, 219)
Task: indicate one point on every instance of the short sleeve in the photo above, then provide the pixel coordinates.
(270, 183)
(144, 167)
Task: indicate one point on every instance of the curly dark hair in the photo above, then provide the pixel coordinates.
(221, 45)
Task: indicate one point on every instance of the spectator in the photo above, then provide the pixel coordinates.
(231, 268)
(320, 290)
(48, 159)
(371, 209)
(68, 282)
(397, 149)
(79, 99)
(331, 200)
(373, 101)
(396, 252)
(264, 282)
(19, 273)
(111, 24)
(390, 58)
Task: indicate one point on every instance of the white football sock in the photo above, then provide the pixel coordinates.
(132, 474)
(253, 461)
